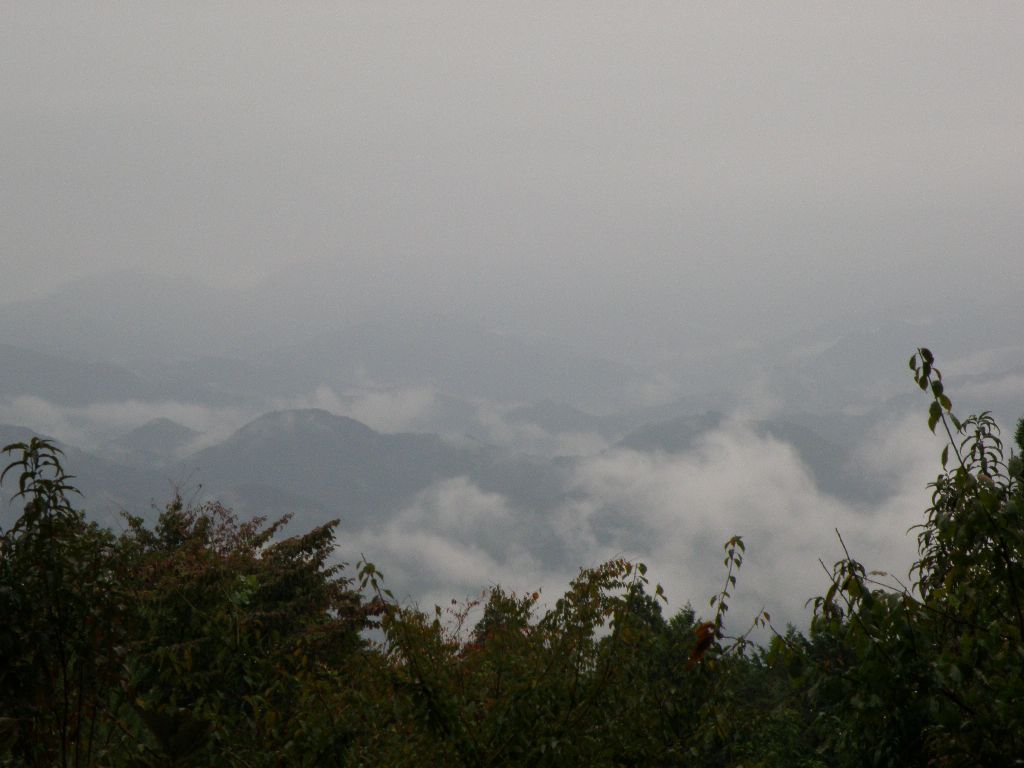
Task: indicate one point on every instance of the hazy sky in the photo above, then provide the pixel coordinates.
(587, 165)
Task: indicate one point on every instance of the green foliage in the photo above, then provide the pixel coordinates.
(599, 678)
(932, 673)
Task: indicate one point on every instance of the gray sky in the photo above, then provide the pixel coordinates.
(589, 166)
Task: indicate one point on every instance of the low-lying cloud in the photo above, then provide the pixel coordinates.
(672, 511)
(453, 541)
(528, 437)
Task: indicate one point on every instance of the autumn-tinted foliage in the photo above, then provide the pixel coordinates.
(204, 640)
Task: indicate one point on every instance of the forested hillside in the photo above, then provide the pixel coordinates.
(202, 639)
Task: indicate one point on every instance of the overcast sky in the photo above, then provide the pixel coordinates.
(585, 165)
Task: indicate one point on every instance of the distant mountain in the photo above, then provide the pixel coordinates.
(122, 315)
(154, 444)
(69, 380)
(311, 463)
(335, 462)
(859, 369)
(863, 366)
(205, 343)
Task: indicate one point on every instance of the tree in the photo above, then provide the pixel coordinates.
(933, 673)
(197, 642)
(60, 598)
(236, 635)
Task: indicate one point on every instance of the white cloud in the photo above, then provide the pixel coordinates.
(453, 541)
(534, 439)
(384, 410)
(322, 397)
(673, 512)
(393, 410)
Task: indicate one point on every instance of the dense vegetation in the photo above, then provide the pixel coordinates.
(204, 641)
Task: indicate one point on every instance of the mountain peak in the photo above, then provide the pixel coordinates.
(304, 420)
